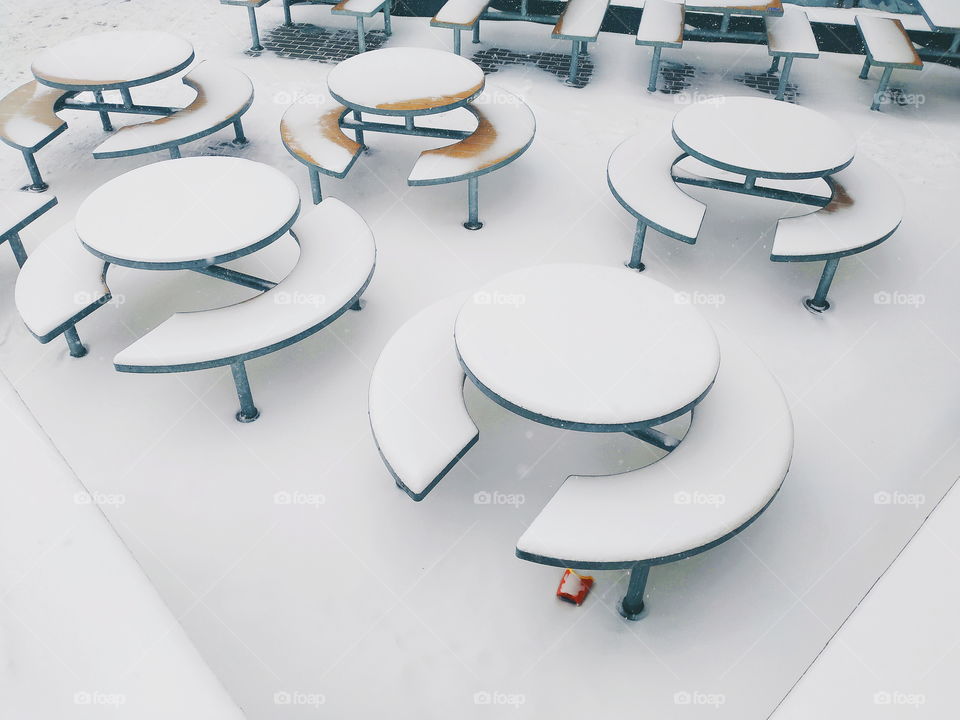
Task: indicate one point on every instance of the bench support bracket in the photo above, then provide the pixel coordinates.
(818, 303)
(248, 411)
(473, 205)
(632, 604)
(17, 247)
(456, 42)
(361, 35)
(77, 348)
(882, 89)
(638, 238)
(38, 184)
(104, 116)
(656, 438)
(784, 77)
(654, 69)
(315, 186)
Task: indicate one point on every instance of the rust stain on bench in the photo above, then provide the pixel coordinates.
(30, 100)
(426, 103)
(841, 199)
(329, 125)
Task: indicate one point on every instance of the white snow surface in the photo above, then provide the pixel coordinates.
(791, 33)
(662, 22)
(886, 41)
(296, 565)
(942, 13)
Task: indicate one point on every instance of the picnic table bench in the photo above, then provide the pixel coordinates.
(888, 46)
(28, 121)
(359, 9)
(789, 36)
(943, 16)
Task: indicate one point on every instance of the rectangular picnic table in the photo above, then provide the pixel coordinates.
(943, 16)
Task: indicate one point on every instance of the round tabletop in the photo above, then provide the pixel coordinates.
(763, 138)
(587, 347)
(187, 213)
(405, 81)
(112, 60)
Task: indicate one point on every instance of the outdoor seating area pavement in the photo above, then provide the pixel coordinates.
(308, 582)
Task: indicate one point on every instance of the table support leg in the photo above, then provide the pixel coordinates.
(473, 205)
(818, 303)
(175, 152)
(574, 63)
(654, 69)
(358, 131)
(774, 66)
(656, 438)
(286, 13)
(456, 42)
(17, 247)
(476, 33)
(361, 35)
(240, 138)
(248, 411)
(77, 348)
(255, 45)
(127, 97)
(38, 184)
(236, 277)
(725, 23)
(866, 68)
(408, 123)
(784, 77)
(315, 185)
(638, 238)
(632, 604)
(387, 25)
(104, 116)
(882, 89)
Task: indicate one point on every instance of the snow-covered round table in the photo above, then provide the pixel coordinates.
(112, 60)
(587, 347)
(190, 213)
(763, 138)
(405, 81)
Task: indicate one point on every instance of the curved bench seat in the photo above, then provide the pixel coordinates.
(505, 129)
(59, 285)
(639, 176)
(417, 413)
(28, 121)
(724, 473)
(866, 208)
(223, 95)
(337, 258)
(311, 133)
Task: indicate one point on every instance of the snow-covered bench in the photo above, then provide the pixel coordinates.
(460, 15)
(359, 9)
(417, 413)
(887, 45)
(28, 121)
(866, 209)
(580, 23)
(639, 175)
(723, 475)
(789, 36)
(311, 132)
(223, 95)
(505, 128)
(661, 26)
(337, 257)
(59, 285)
(17, 210)
(251, 6)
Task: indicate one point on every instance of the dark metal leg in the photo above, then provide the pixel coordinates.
(104, 116)
(286, 13)
(408, 122)
(574, 63)
(784, 77)
(240, 139)
(357, 305)
(38, 184)
(818, 303)
(255, 45)
(175, 152)
(476, 33)
(882, 89)
(361, 35)
(387, 26)
(774, 66)
(638, 238)
(866, 68)
(456, 42)
(473, 203)
(725, 23)
(315, 185)
(632, 604)
(17, 247)
(248, 411)
(127, 97)
(358, 132)
(656, 438)
(654, 69)
(77, 348)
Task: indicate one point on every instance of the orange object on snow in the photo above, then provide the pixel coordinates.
(574, 587)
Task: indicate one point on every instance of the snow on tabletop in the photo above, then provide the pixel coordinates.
(581, 18)
(59, 279)
(337, 255)
(17, 206)
(661, 22)
(505, 128)
(461, 12)
(639, 172)
(417, 412)
(222, 91)
(311, 131)
(791, 33)
(111, 58)
(587, 344)
(941, 13)
(727, 468)
(867, 205)
(766, 137)
(85, 634)
(405, 79)
(887, 41)
(186, 210)
(26, 115)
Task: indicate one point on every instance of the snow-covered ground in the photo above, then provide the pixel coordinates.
(304, 575)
